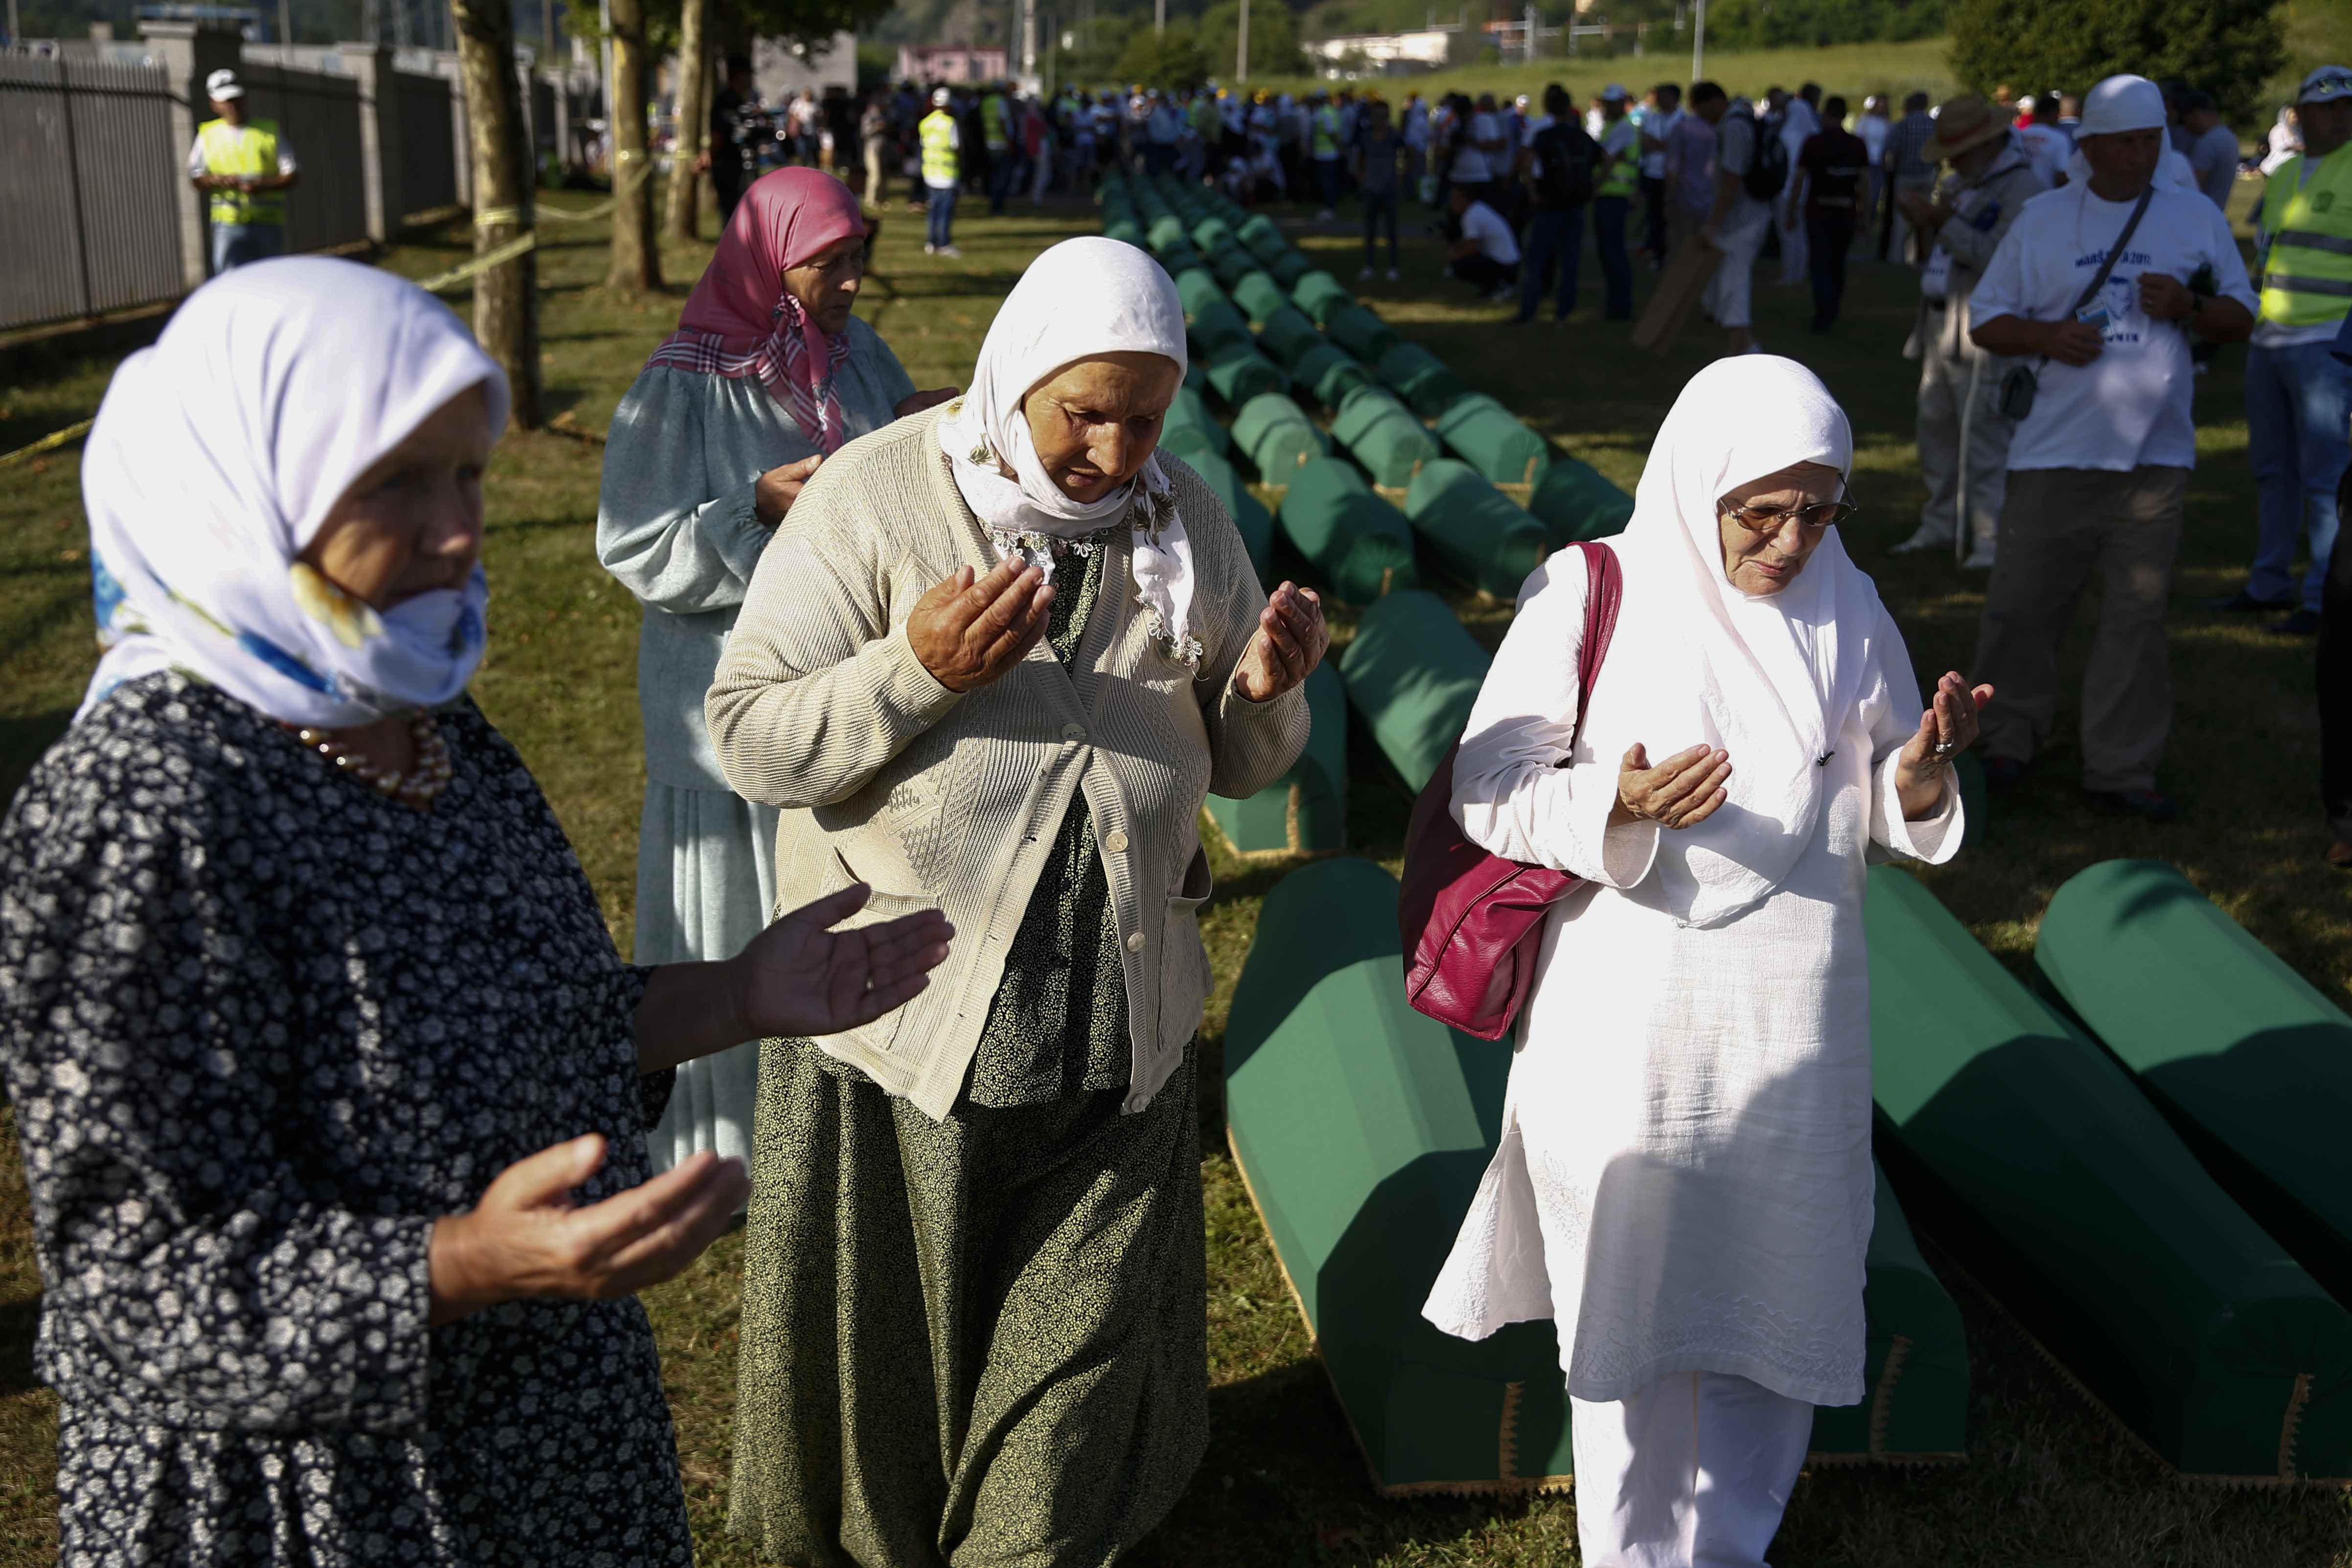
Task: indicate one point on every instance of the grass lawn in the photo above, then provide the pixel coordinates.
(2048, 1481)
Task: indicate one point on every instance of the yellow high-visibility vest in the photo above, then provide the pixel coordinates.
(251, 150)
(2307, 271)
(941, 162)
(1624, 169)
(995, 123)
(1327, 132)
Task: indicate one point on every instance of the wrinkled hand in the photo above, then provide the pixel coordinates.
(2074, 342)
(779, 487)
(916, 402)
(2165, 296)
(1681, 792)
(1947, 728)
(1289, 643)
(969, 630)
(527, 1239)
(800, 977)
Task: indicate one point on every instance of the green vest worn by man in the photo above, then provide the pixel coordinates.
(248, 149)
(1624, 168)
(938, 133)
(1327, 132)
(995, 123)
(2307, 271)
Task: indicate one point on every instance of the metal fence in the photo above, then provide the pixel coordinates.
(429, 150)
(89, 220)
(318, 116)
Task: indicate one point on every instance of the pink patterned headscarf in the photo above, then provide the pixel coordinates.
(741, 321)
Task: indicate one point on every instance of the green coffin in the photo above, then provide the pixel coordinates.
(1264, 237)
(1574, 502)
(1304, 811)
(1381, 434)
(1213, 233)
(1180, 258)
(1251, 519)
(1360, 333)
(1413, 674)
(1287, 333)
(1188, 415)
(1215, 325)
(1232, 265)
(1126, 228)
(1167, 232)
(1490, 438)
(1289, 268)
(1194, 442)
(1362, 1129)
(1318, 294)
(2043, 1169)
(1359, 544)
(2252, 1063)
(1258, 295)
(1473, 530)
(1423, 379)
(1239, 373)
(1197, 286)
(1326, 374)
(1278, 436)
(1194, 376)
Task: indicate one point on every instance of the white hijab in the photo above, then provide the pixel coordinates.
(1776, 676)
(1080, 298)
(218, 455)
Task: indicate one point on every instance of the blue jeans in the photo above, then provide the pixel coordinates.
(2297, 400)
(1616, 267)
(943, 216)
(1379, 207)
(1552, 237)
(235, 244)
(1001, 173)
(1327, 179)
(1827, 241)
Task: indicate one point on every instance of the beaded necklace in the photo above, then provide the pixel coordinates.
(417, 788)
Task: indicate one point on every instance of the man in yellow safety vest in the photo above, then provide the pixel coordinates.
(2298, 395)
(942, 146)
(243, 164)
(1323, 131)
(996, 133)
(1620, 178)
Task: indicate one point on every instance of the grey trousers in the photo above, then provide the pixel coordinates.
(2061, 529)
(1943, 392)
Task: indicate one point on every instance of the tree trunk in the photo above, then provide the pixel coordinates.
(636, 258)
(506, 298)
(693, 117)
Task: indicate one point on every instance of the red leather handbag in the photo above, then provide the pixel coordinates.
(1473, 921)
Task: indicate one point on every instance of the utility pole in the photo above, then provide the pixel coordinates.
(1531, 31)
(1241, 47)
(1698, 42)
(285, 28)
(1030, 80)
(547, 31)
(1159, 17)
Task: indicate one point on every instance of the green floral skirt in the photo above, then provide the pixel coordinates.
(973, 1343)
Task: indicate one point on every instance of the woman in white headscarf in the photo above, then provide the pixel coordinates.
(331, 1088)
(1684, 1183)
(991, 664)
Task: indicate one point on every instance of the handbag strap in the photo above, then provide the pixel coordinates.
(2114, 254)
(1604, 591)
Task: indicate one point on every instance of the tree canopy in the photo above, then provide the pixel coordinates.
(2228, 48)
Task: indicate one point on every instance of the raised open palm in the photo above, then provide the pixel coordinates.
(803, 979)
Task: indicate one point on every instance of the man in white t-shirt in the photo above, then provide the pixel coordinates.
(1736, 223)
(2099, 468)
(1486, 257)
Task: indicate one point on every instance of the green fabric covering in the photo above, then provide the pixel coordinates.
(1289, 268)
(1251, 519)
(1490, 438)
(1381, 434)
(1213, 233)
(2247, 1059)
(1166, 232)
(1191, 442)
(1231, 266)
(1574, 502)
(1180, 258)
(2056, 1184)
(1258, 295)
(1359, 544)
(1326, 373)
(1304, 811)
(1197, 286)
(1263, 236)
(1278, 436)
(1190, 411)
(1195, 376)
(1318, 294)
(1413, 674)
(1475, 531)
(1215, 326)
(1363, 1129)
(1126, 228)
(1360, 333)
(1423, 379)
(1287, 333)
(1239, 373)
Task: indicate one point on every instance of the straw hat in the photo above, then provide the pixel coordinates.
(1964, 122)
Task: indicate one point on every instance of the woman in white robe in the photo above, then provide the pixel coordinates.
(1684, 1182)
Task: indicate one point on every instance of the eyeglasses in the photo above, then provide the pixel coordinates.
(1770, 521)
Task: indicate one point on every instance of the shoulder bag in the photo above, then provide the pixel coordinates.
(2024, 384)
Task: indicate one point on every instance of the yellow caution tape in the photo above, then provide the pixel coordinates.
(482, 263)
(46, 444)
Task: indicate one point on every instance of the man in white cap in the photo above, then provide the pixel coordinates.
(2092, 289)
(243, 165)
(2298, 395)
(1620, 181)
(942, 146)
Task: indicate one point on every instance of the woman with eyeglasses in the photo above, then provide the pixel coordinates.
(1684, 1182)
(766, 376)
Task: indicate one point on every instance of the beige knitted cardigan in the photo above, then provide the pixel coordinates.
(820, 706)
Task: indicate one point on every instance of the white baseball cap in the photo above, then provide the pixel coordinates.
(940, 97)
(1614, 93)
(222, 85)
(2329, 84)
(2122, 103)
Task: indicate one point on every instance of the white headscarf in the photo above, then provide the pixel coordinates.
(1080, 298)
(219, 452)
(1775, 675)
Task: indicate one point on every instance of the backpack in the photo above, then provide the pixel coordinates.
(1768, 172)
(1563, 170)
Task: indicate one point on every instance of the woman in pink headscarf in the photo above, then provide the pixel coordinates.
(767, 376)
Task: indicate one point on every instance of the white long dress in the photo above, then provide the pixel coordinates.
(1684, 1182)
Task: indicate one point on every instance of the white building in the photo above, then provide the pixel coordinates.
(1387, 54)
(952, 62)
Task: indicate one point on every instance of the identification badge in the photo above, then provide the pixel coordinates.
(2094, 316)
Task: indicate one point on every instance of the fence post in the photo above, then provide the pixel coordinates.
(189, 52)
(370, 66)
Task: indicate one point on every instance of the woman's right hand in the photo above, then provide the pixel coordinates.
(1681, 792)
(526, 1239)
(779, 487)
(970, 630)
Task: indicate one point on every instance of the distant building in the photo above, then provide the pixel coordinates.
(951, 62)
(779, 70)
(1389, 54)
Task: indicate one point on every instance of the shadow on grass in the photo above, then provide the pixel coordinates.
(20, 1322)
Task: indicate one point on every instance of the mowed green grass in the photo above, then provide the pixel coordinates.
(2049, 1481)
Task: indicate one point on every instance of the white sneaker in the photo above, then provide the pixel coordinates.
(1392, 274)
(1980, 560)
(931, 250)
(1366, 276)
(950, 250)
(1926, 538)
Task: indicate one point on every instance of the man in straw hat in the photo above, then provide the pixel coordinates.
(2090, 290)
(1963, 434)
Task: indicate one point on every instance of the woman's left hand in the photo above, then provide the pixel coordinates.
(798, 978)
(916, 402)
(1948, 728)
(1290, 640)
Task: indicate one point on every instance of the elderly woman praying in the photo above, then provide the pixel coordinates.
(991, 664)
(331, 1088)
(1684, 1182)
